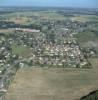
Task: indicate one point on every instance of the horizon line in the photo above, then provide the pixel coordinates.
(48, 7)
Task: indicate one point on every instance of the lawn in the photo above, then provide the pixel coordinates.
(53, 83)
(23, 51)
(85, 37)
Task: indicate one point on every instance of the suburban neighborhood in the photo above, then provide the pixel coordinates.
(45, 39)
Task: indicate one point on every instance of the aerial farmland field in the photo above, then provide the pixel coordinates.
(53, 83)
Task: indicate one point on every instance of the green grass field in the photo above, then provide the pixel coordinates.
(85, 18)
(28, 17)
(53, 83)
(22, 51)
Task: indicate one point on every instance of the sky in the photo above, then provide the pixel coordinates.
(51, 3)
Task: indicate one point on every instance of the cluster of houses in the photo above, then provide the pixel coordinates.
(66, 53)
(60, 52)
(59, 56)
(8, 65)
